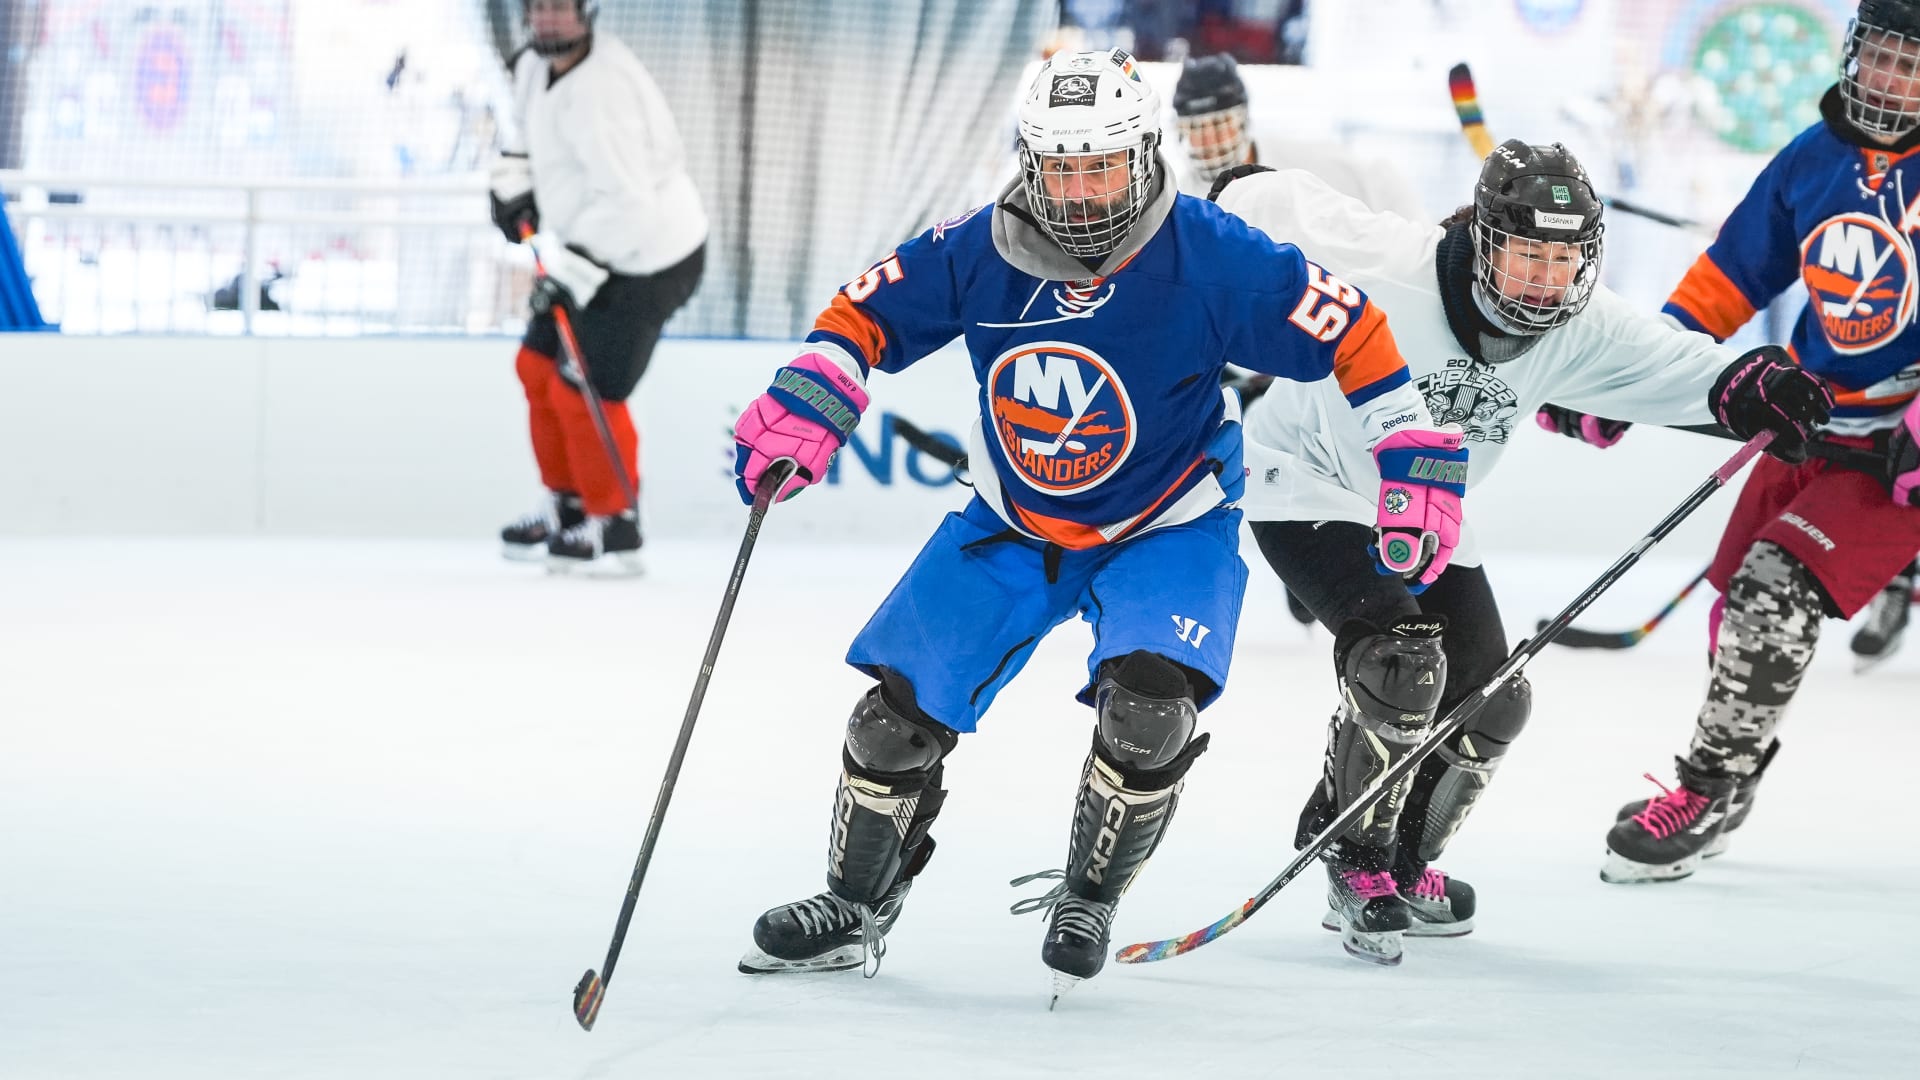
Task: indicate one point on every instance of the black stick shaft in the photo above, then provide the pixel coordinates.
(771, 482)
(577, 360)
(1528, 649)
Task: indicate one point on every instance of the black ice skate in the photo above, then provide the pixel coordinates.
(1441, 906)
(1078, 934)
(1743, 796)
(1368, 910)
(824, 933)
(598, 547)
(526, 539)
(1886, 624)
(1666, 839)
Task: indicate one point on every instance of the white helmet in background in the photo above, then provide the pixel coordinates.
(1089, 127)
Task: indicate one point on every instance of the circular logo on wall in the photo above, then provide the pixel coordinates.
(1859, 276)
(1061, 416)
(1764, 66)
(160, 78)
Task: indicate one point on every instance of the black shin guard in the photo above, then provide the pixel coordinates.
(1390, 682)
(888, 797)
(1451, 781)
(1131, 783)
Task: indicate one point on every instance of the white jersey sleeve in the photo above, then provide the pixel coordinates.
(1625, 364)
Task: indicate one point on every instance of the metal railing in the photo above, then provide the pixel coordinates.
(271, 257)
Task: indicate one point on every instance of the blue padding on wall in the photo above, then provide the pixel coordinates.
(18, 309)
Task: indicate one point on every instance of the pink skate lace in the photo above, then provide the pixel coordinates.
(1671, 812)
(1368, 885)
(1431, 886)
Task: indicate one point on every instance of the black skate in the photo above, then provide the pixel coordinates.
(598, 547)
(824, 933)
(1368, 910)
(1075, 948)
(1441, 906)
(1886, 624)
(1743, 795)
(1666, 839)
(526, 539)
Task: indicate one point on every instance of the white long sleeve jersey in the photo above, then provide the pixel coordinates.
(609, 170)
(1307, 458)
(1377, 182)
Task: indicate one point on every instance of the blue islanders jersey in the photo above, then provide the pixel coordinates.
(1841, 217)
(1100, 404)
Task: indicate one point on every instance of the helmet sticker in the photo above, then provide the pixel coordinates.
(1071, 90)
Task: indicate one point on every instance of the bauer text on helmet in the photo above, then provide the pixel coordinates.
(1089, 127)
(1536, 231)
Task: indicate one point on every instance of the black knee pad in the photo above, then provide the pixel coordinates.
(1147, 719)
(887, 740)
(1394, 675)
(1499, 721)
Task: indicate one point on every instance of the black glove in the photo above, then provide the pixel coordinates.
(1220, 182)
(1765, 390)
(511, 189)
(1592, 430)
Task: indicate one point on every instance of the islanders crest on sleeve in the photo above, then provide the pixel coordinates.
(1859, 273)
(1061, 415)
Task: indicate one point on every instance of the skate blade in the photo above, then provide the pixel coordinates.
(624, 564)
(527, 553)
(844, 958)
(1062, 982)
(1422, 928)
(1377, 948)
(1620, 870)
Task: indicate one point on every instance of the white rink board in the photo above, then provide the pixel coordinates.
(425, 438)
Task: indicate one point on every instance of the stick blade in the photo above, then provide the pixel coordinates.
(587, 997)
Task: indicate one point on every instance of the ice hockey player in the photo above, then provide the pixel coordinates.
(1211, 113)
(1098, 308)
(598, 169)
(1835, 208)
(1499, 310)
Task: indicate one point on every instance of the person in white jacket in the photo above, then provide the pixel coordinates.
(1498, 311)
(600, 174)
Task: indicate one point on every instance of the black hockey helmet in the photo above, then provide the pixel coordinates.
(1210, 111)
(1879, 83)
(589, 11)
(1537, 236)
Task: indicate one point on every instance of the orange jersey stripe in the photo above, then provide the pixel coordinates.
(1368, 353)
(1714, 301)
(848, 321)
(1075, 536)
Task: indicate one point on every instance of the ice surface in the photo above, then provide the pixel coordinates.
(280, 809)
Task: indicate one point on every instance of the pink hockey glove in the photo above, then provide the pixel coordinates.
(805, 415)
(1903, 457)
(1592, 430)
(1423, 475)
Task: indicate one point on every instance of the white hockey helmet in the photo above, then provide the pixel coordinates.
(1089, 127)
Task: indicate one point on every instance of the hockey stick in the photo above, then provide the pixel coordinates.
(1473, 124)
(592, 988)
(1575, 638)
(1390, 780)
(576, 360)
(938, 449)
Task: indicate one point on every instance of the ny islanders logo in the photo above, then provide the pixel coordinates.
(1061, 416)
(1859, 273)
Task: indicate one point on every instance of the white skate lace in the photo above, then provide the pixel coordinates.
(1087, 918)
(826, 912)
(587, 534)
